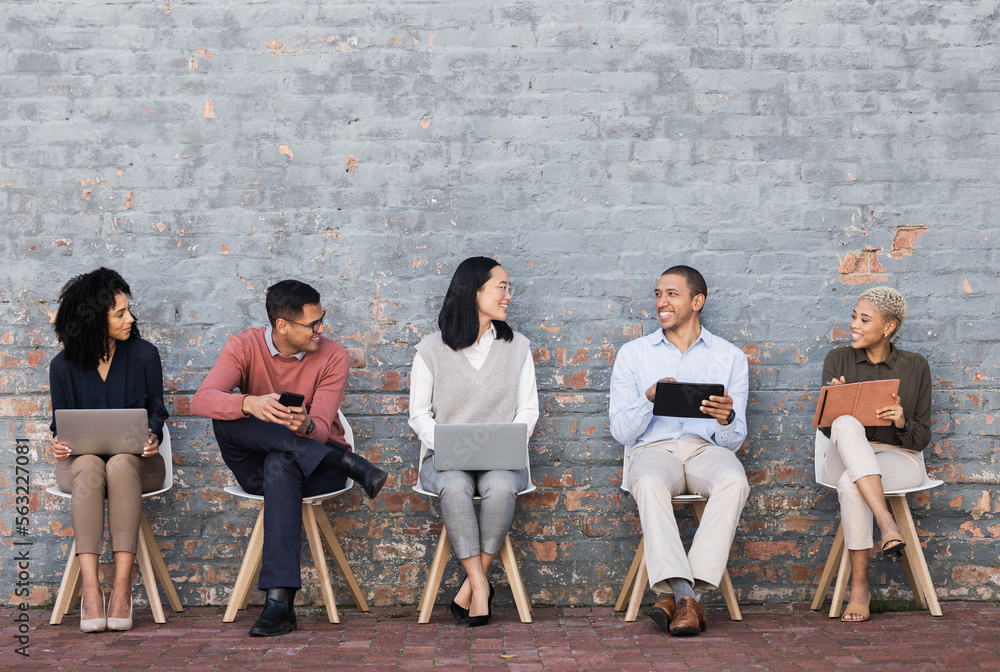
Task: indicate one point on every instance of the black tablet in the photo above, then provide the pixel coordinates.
(683, 400)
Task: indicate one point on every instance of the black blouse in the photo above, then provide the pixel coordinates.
(135, 380)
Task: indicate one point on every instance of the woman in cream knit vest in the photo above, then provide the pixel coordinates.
(475, 370)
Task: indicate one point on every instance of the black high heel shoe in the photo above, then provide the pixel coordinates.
(460, 613)
(476, 621)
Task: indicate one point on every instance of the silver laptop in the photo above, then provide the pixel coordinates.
(481, 447)
(103, 431)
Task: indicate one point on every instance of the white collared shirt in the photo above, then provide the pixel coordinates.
(422, 387)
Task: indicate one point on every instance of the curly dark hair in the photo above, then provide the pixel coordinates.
(82, 321)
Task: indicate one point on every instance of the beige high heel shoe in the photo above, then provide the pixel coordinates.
(94, 624)
(121, 624)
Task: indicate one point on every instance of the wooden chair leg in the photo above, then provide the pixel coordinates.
(434, 575)
(339, 559)
(840, 589)
(77, 587)
(626, 591)
(911, 577)
(521, 598)
(142, 556)
(159, 566)
(918, 595)
(252, 584)
(319, 561)
(69, 587)
(730, 596)
(639, 589)
(915, 554)
(832, 564)
(250, 566)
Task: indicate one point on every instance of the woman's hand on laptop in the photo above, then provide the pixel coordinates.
(152, 446)
(60, 450)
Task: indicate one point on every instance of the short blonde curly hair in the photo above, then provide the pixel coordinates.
(889, 303)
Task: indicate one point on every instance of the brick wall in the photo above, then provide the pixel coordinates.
(796, 152)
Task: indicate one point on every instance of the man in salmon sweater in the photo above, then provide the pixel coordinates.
(283, 452)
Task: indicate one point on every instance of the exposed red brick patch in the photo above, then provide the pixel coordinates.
(181, 405)
(969, 527)
(577, 381)
(862, 267)
(765, 550)
(540, 500)
(392, 381)
(632, 330)
(357, 357)
(972, 575)
(902, 245)
(24, 406)
(752, 352)
(545, 551)
(983, 503)
(551, 328)
(575, 501)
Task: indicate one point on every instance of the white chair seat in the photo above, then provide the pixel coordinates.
(238, 491)
(318, 532)
(148, 555)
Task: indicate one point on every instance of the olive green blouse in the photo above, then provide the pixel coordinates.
(914, 390)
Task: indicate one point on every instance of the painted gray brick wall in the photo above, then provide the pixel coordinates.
(796, 152)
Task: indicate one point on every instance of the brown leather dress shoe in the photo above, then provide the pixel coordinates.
(689, 618)
(663, 611)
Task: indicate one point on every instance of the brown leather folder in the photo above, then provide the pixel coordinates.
(858, 399)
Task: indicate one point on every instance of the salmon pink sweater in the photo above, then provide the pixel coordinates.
(246, 363)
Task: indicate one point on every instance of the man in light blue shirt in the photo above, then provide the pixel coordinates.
(668, 456)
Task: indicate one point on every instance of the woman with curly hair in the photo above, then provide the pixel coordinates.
(475, 370)
(881, 457)
(104, 364)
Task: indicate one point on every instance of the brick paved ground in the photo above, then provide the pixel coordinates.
(772, 637)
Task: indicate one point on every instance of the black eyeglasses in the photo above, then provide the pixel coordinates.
(316, 326)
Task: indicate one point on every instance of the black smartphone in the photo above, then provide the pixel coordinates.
(291, 400)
